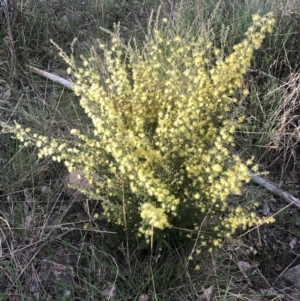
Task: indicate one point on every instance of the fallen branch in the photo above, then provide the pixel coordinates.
(277, 191)
(55, 78)
(256, 179)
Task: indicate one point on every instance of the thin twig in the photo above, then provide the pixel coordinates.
(274, 189)
(125, 224)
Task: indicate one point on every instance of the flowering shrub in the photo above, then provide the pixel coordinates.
(159, 155)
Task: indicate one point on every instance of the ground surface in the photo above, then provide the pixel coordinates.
(52, 247)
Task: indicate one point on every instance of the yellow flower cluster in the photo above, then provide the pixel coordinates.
(162, 131)
(240, 218)
(153, 217)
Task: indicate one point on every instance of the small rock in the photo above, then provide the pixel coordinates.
(292, 276)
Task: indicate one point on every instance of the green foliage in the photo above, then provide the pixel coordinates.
(159, 153)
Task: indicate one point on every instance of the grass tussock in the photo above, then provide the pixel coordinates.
(55, 244)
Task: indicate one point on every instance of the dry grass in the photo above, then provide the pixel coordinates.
(286, 137)
(51, 244)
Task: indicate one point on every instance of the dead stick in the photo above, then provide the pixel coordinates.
(277, 191)
(55, 78)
